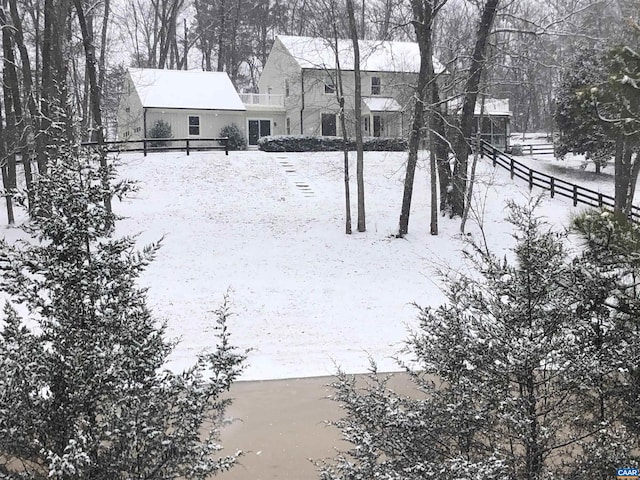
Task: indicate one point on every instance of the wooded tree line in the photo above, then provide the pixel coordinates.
(63, 61)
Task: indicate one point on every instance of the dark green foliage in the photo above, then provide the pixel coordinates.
(236, 139)
(84, 390)
(160, 129)
(308, 143)
(528, 371)
(598, 113)
(580, 131)
(613, 258)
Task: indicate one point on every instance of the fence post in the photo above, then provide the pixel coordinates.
(553, 186)
(530, 149)
(226, 146)
(494, 157)
(530, 179)
(600, 199)
(144, 146)
(187, 147)
(511, 168)
(575, 195)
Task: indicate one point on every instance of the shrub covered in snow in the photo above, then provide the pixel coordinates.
(311, 143)
(236, 139)
(528, 370)
(160, 129)
(84, 393)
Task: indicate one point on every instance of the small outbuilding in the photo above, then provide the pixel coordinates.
(195, 104)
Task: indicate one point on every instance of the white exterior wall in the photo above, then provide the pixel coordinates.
(282, 69)
(307, 101)
(317, 102)
(211, 121)
(130, 119)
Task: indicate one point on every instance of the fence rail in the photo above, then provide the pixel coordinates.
(149, 145)
(533, 149)
(556, 186)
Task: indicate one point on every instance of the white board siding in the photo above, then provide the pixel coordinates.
(211, 121)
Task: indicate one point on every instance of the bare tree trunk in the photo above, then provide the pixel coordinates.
(621, 177)
(98, 131)
(422, 24)
(29, 95)
(633, 180)
(103, 45)
(10, 133)
(472, 177)
(353, 30)
(461, 144)
(221, 37)
(53, 99)
(345, 150)
(627, 168)
(345, 136)
(6, 180)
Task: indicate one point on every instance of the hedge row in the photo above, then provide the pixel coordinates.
(308, 143)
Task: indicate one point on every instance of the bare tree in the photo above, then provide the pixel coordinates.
(424, 14)
(97, 133)
(353, 31)
(470, 96)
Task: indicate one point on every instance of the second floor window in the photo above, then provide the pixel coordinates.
(194, 125)
(329, 86)
(286, 87)
(375, 85)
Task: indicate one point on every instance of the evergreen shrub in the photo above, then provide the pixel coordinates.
(310, 143)
(85, 392)
(237, 140)
(160, 129)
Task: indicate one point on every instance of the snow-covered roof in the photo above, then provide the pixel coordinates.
(185, 89)
(492, 107)
(375, 56)
(382, 104)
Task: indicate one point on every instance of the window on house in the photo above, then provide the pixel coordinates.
(329, 86)
(329, 124)
(375, 85)
(286, 87)
(194, 125)
(288, 126)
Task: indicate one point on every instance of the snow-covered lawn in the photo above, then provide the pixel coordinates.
(269, 229)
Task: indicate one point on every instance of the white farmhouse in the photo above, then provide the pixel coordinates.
(297, 95)
(304, 71)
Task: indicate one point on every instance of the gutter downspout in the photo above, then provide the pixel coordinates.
(302, 100)
(144, 122)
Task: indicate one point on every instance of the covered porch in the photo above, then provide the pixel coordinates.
(381, 117)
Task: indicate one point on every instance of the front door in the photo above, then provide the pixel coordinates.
(377, 125)
(257, 129)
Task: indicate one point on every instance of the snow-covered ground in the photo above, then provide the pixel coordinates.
(269, 229)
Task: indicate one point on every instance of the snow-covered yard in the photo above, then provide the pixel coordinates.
(269, 229)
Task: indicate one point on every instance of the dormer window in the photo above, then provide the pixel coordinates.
(375, 86)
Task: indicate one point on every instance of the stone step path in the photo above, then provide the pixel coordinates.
(301, 184)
